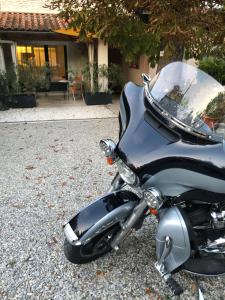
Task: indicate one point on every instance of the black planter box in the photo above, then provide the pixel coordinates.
(4, 102)
(24, 101)
(97, 98)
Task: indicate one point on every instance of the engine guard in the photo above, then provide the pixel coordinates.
(99, 216)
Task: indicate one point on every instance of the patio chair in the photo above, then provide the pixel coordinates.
(76, 89)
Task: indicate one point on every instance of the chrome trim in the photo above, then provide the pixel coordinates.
(217, 246)
(70, 235)
(200, 295)
(107, 147)
(146, 78)
(153, 198)
(166, 251)
(127, 226)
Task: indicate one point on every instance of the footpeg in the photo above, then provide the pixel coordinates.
(160, 266)
(174, 286)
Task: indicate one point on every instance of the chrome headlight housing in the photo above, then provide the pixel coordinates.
(126, 173)
(108, 149)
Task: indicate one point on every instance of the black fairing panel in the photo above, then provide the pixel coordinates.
(94, 212)
(148, 146)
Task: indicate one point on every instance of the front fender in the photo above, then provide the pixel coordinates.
(100, 215)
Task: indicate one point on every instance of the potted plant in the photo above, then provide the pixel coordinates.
(105, 81)
(215, 110)
(30, 80)
(8, 87)
(96, 93)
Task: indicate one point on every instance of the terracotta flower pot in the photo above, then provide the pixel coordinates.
(210, 121)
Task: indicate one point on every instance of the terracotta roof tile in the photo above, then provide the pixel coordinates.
(15, 21)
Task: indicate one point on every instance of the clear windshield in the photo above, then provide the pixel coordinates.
(190, 96)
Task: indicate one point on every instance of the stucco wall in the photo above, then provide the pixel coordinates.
(77, 57)
(134, 75)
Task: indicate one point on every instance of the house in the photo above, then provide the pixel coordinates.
(35, 36)
(32, 37)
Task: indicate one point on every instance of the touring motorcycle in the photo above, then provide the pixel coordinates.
(171, 156)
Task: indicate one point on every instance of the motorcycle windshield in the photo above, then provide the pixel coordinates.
(190, 98)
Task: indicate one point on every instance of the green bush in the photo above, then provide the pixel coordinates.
(215, 67)
(21, 79)
(32, 79)
(8, 88)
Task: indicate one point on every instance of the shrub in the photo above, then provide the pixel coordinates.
(8, 87)
(22, 79)
(215, 67)
(32, 79)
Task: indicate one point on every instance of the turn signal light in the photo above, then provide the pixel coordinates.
(110, 160)
(108, 149)
(153, 211)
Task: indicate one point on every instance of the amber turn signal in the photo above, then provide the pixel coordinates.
(153, 211)
(110, 160)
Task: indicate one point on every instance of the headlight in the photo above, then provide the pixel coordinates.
(126, 173)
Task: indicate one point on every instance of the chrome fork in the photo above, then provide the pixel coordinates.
(129, 224)
(150, 198)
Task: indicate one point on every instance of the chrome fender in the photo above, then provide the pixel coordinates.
(99, 216)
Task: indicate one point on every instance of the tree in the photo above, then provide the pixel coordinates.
(196, 28)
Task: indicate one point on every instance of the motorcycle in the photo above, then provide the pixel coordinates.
(171, 155)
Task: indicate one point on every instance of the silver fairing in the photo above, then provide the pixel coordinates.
(175, 181)
(172, 225)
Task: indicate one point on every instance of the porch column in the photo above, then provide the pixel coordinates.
(91, 62)
(13, 51)
(2, 60)
(102, 60)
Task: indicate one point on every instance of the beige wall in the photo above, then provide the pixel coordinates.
(134, 75)
(76, 57)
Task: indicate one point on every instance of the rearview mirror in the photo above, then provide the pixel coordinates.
(146, 78)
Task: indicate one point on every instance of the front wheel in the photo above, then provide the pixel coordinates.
(97, 247)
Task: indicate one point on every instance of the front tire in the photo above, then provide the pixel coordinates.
(95, 248)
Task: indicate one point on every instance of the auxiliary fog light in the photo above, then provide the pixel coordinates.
(153, 198)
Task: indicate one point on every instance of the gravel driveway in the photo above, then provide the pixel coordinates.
(48, 171)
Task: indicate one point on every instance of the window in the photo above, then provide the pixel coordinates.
(40, 56)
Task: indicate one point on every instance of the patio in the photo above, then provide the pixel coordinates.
(53, 107)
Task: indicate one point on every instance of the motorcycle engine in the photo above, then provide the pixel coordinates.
(218, 219)
(210, 215)
(208, 223)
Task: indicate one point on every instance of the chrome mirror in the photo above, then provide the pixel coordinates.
(146, 78)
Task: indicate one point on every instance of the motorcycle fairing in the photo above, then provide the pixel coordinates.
(105, 211)
(185, 180)
(152, 149)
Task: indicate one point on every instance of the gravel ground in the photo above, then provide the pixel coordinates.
(48, 171)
